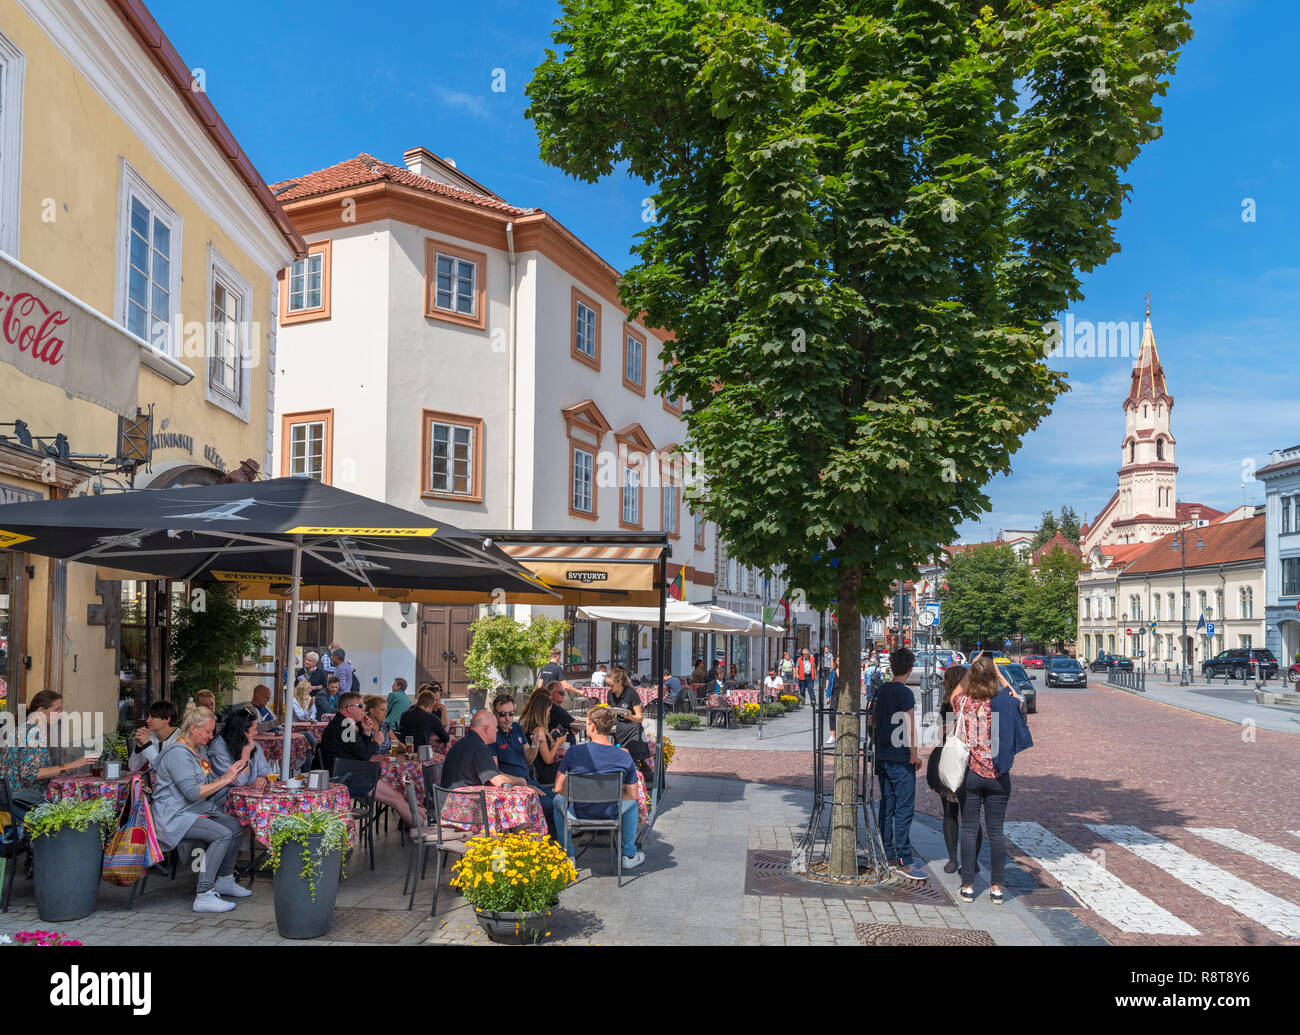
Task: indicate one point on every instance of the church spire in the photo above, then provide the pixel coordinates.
(1148, 374)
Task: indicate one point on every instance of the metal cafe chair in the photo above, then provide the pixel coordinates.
(13, 843)
(361, 779)
(450, 839)
(601, 789)
(425, 837)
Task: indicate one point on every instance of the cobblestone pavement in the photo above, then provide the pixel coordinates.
(1171, 827)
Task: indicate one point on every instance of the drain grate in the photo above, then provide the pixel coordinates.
(378, 926)
(1048, 898)
(768, 873)
(889, 934)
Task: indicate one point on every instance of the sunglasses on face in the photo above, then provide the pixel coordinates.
(505, 715)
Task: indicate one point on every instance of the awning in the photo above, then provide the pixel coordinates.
(748, 626)
(677, 615)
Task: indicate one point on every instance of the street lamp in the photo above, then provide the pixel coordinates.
(1180, 543)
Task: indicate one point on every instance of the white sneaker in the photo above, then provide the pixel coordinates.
(830, 741)
(632, 862)
(231, 888)
(211, 902)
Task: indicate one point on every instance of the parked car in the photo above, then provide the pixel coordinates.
(1293, 674)
(1033, 660)
(1240, 663)
(1105, 662)
(1062, 671)
(1024, 686)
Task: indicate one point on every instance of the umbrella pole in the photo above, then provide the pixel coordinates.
(762, 695)
(292, 647)
(659, 683)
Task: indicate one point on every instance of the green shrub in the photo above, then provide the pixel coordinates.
(682, 719)
(299, 828)
(771, 711)
(53, 816)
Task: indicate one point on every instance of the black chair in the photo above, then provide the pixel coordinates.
(361, 779)
(601, 789)
(423, 838)
(13, 843)
(450, 839)
(432, 777)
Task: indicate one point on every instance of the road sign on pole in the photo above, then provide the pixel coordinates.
(1209, 629)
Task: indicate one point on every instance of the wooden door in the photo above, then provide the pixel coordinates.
(458, 641)
(431, 654)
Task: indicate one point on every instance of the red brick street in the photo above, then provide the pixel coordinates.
(1107, 758)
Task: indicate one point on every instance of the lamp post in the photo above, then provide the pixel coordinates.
(1180, 543)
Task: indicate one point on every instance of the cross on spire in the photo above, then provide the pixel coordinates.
(1148, 305)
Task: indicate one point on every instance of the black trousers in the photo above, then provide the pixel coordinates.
(993, 796)
(952, 829)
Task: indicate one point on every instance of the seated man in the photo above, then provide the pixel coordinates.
(327, 698)
(262, 695)
(421, 723)
(698, 674)
(773, 686)
(598, 677)
(599, 755)
(471, 762)
(672, 690)
(560, 718)
(351, 734)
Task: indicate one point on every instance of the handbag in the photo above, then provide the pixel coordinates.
(955, 757)
(134, 847)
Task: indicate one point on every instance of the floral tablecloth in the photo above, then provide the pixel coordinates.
(601, 693)
(398, 772)
(743, 697)
(272, 745)
(509, 808)
(257, 809)
(87, 788)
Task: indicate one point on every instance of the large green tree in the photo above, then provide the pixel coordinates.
(1051, 599)
(987, 586)
(864, 214)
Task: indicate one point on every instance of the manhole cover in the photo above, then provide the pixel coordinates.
(380, 926)
(768, 873)
(889, 934)
(1048, 898)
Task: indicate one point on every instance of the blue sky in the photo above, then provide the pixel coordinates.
(302, 93)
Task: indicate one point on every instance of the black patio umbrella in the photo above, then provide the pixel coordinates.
(289, 531)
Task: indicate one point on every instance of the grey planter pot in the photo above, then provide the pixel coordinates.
(296, 914)
(514, 928)
(67, 866)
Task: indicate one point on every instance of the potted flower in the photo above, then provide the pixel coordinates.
(307, 857)
(788, 701)
(513, 881)
(41, 938)
(683, 720)
(68, 840)
(747, 714)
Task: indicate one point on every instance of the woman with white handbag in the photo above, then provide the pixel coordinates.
(990, 730)
(950, 800)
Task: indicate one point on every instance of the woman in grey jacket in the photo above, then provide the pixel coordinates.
(183, 810)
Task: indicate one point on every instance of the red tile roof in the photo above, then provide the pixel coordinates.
(365, 169)
(1223, 544)
(1057, 542)
(1122, 553)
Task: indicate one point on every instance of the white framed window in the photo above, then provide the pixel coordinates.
(670, 509)
(583, 466)
(1245, 642)
(1155, 607)
(451, 458)
(699, 530)
(229, 337)
(632, 496)
(584, 330)
(12, 74)
(634, 360)
(455, 284)
(306, 449)
(148, 263)
(307, 284)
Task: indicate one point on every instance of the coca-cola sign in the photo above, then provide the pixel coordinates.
(46, 333)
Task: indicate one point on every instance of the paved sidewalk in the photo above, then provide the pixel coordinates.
(690, 891)
(1231, 702)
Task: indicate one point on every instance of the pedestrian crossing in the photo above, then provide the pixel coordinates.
(1087, 878)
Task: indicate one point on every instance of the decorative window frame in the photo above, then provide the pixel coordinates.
(577, 296)
(585, 427)
(287, 421)
(634, 440)
(13, 71)
(700, 532)
(475, 424)
(434, 247)
(631, 334)
(670, 478)
(219, 267)
(325, 249)
(130, 182)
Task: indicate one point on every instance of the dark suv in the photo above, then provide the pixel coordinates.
(1065, 672)
(1105, 662)
(1240, 663)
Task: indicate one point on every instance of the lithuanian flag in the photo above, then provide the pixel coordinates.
(677, 588)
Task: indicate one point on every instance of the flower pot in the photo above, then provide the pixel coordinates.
(296, 914)
(514, 928)
(684, 725)
(67, 865)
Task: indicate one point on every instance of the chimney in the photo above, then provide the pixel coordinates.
(421, 161)
(1196, 516)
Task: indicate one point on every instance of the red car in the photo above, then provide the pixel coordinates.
(1293, 674)
(1033, 661)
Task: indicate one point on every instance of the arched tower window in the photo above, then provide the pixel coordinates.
(1132, 451)
(1144, 411)
(1160, 449)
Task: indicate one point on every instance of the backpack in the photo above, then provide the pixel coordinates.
(356, 682)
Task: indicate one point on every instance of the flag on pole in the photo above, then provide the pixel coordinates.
(677, 588)
(785, 603)
(768, 614)
(1201, 624)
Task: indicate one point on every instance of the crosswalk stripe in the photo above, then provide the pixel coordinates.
(1095, 887)
(1271, 855)
(1278, 915)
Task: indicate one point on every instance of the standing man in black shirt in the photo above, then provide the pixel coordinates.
(552, 671)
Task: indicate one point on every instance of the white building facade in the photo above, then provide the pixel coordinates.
(1281, 478)
(461, 357)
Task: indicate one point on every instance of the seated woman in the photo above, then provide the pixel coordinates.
(377, 710)
(26, 763)
(237, 742)
(184, 810)
(158, 730)
(545, 735)
(304, 708)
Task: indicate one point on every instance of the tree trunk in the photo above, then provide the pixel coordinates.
(844, 811)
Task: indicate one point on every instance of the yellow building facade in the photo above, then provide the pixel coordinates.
(139, 255)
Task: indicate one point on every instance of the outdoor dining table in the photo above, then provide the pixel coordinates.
(601, 693)
(272, 745)
(87, 788)
(399, 770)
(742, 696)
(509, 808)
(258, 809)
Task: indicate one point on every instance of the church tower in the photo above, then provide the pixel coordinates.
(1147, 473)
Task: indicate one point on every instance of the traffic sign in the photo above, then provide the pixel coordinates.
(1128, 632)
(1140, 654)
(1209, 629)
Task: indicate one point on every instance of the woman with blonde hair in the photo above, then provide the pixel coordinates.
(304, 708)
(377, 709)
(991, 724)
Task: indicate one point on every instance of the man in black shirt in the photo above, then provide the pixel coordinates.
(351, 734)
(561, 720)
(421, 723)
(553, 671)
(471, 762)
